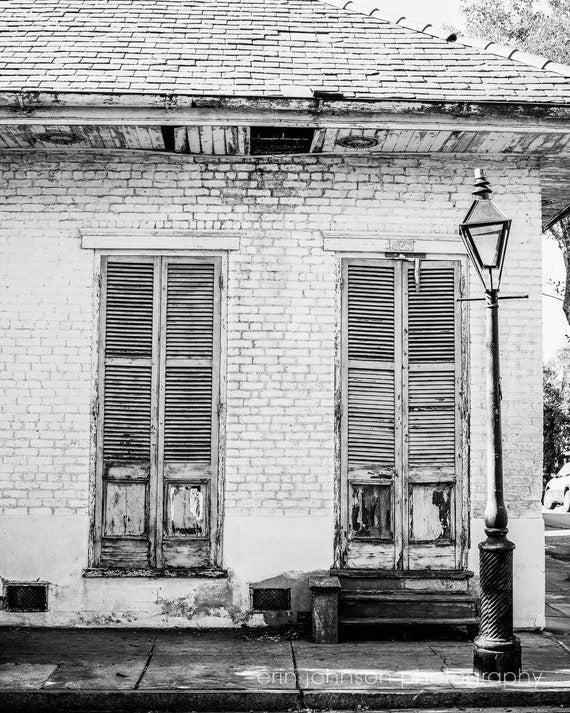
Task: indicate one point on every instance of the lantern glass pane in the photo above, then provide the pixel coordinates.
(484, 211)
(487, 242)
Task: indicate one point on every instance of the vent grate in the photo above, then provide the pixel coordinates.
(26, 597)
(280, 140)
(271, 599)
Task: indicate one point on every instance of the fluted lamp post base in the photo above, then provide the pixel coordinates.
(497, 660)
(496, 651)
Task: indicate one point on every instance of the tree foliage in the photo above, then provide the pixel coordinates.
(540, 27)
(556, 422)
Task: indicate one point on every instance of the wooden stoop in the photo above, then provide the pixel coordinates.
(381, 597)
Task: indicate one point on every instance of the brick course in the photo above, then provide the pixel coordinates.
(281, 295)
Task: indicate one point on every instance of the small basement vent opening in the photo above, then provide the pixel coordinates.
(280, 140)
(23, 596)
(271, 599)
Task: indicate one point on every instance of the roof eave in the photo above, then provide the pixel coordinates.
(36, 106)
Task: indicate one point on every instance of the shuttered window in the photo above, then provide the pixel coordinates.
(400, 424)
(157, 439)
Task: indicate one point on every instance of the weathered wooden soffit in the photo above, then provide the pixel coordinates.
(549, 145)
(265, 77)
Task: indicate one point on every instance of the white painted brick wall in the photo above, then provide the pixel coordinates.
(281, 309)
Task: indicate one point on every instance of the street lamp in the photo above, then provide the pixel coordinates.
(496, 651)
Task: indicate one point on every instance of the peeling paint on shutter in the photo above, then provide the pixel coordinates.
(368, 441)
(126, 419)
(156, 501)
(400, 422)
(189, 396)
(431, 431)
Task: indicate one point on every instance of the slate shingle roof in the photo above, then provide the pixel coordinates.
(249, 48)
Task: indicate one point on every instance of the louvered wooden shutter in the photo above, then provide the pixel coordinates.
(431, 358)
(432, 347)
(189, 434)
(125, 444)
(369, 365)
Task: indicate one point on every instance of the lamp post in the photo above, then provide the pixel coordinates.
(496, 651)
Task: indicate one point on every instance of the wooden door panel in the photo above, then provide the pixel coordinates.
(372, 511)
(369, 555)
(431, 513)
(427, 557)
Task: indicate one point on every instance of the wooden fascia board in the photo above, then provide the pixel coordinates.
(557, 218)
(76, 108)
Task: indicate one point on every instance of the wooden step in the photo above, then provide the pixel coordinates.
(406, 595)
(352, 572)
(357, 580)
(410, 607)
(407, 621)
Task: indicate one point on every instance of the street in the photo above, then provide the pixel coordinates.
(557, 535)
(556, 519)
(557, 553)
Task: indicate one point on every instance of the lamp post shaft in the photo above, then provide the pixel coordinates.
(497, 652)
(495, 511)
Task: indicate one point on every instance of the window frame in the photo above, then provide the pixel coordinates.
(157, 526)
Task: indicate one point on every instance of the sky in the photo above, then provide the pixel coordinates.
(555, 327)
(438, 12)
(556, 332)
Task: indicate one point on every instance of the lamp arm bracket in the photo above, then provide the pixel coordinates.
(482, 299)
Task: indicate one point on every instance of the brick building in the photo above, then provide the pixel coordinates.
(233, 353)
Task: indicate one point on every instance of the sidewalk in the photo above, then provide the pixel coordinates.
(138, 670)
(87, 670)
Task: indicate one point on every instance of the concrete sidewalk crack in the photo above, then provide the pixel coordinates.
(147, 664)
(441, 657)
(553, 636)
(297, 682)
(17, 636)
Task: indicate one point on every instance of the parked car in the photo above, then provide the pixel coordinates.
(557, 491)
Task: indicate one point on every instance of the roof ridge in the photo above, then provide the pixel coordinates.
(371, 7)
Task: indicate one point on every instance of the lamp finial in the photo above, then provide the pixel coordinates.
(482, 189)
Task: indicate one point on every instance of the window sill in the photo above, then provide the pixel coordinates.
(180, 572)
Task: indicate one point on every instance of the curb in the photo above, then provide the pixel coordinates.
(176, 701)
(444, 698)
(139, 701)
